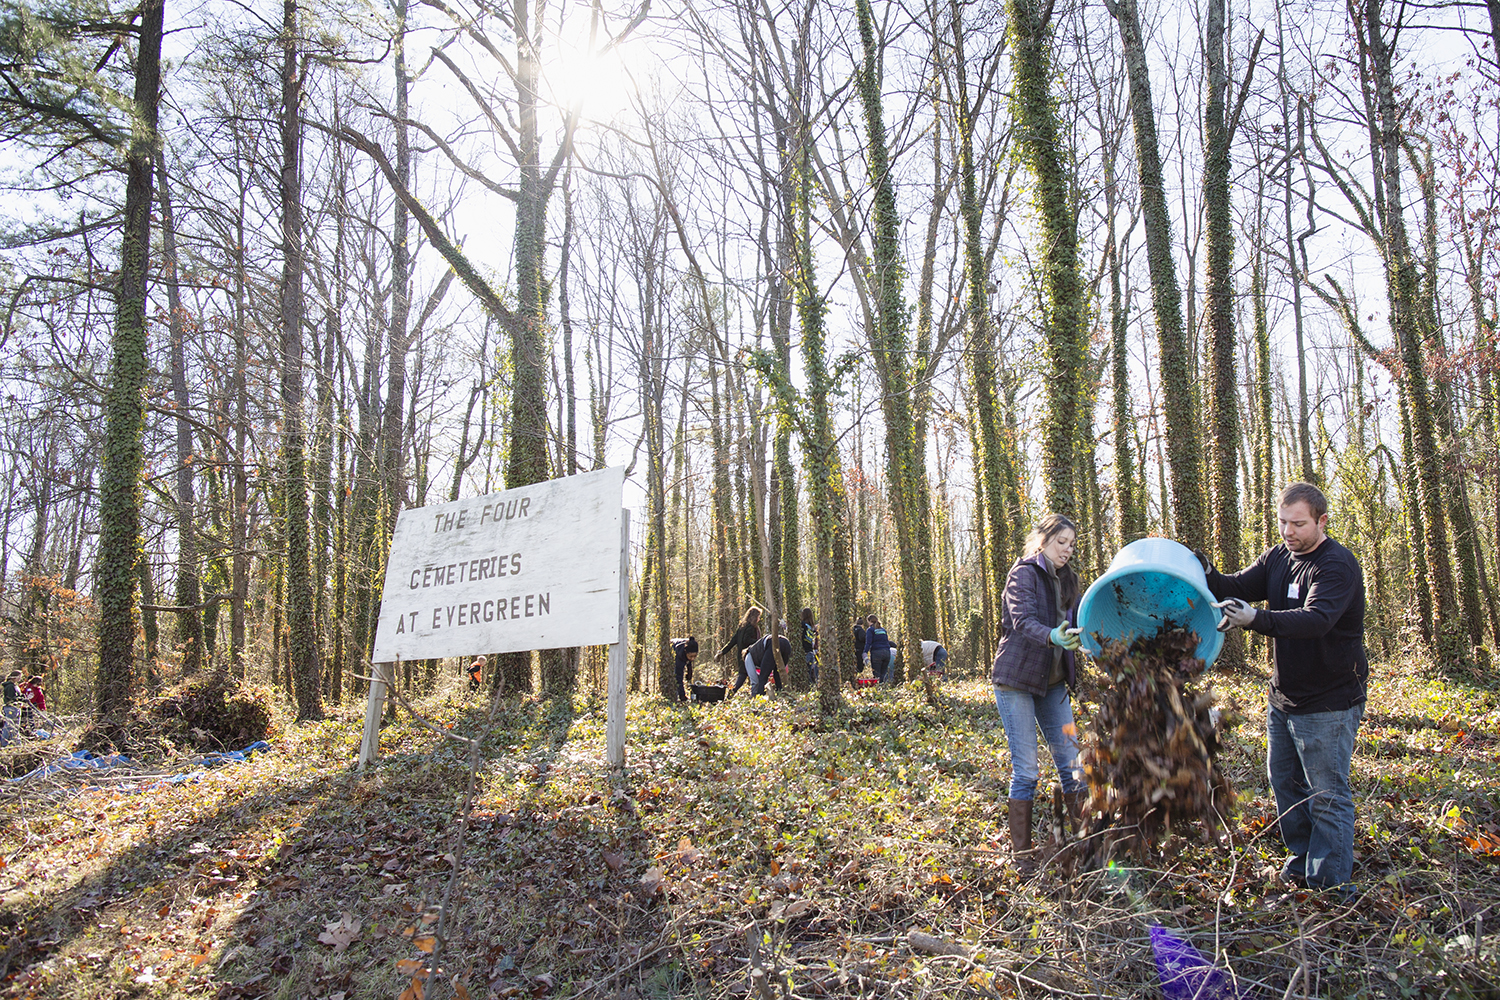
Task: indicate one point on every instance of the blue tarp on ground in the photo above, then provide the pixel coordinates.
(216, 760)
(80, 760)
(84, 760)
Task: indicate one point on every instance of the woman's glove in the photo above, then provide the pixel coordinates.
(1064, 637)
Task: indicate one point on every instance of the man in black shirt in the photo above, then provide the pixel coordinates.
(1314, 591)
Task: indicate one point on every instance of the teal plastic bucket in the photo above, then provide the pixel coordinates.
(1150, 582)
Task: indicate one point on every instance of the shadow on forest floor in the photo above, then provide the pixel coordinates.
(757, 828)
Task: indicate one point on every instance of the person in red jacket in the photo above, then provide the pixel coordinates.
(33, 699)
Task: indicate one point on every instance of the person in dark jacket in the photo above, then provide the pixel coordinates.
(1034, 670)
(12, 701)
(684, 652)
(1314, 591)
(877, 648)
(761, 664)
(744, 637)
(810, 644)
(859, 644)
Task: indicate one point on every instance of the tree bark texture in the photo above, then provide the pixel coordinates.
(1179, 396)
(120, 489)
(301, 631)
(1065, 309)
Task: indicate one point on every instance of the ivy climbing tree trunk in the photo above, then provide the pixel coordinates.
(1224, 438)
(1265, 441)
(1064, 306)
(1179, 396)
(120, 489)
(1402, 293)
(826, 491)
(302, 645)
(1131, 519)
(907, 474)
(983, 375)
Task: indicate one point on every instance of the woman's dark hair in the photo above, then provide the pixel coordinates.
(807, 616)
(1047, 529)
(752, 615)
(874, 622)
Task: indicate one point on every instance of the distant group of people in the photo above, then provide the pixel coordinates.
(1314, 592)
(758, 666)
(23, 700)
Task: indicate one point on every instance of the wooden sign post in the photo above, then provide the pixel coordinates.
(538, 567)
(619, 654)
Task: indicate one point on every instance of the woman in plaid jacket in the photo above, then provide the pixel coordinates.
(1035, 669)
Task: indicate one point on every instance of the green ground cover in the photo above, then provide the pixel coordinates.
(859, 855)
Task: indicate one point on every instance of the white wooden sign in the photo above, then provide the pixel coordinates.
(536, 567)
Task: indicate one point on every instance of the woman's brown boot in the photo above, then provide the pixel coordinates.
(1020, 835)
(1074, 802)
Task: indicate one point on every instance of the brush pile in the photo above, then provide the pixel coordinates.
(1151, 760)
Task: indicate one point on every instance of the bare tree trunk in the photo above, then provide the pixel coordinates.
(189, 629)
(1304, 437)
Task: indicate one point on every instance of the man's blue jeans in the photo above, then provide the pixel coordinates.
(1022, 713)
(1307, 759)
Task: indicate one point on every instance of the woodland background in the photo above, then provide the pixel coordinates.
(857, 291)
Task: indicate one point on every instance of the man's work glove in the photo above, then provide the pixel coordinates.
(1237, 614)
(1202, 560)
(1065, 637)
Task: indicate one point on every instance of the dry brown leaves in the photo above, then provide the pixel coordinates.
(1150, 761)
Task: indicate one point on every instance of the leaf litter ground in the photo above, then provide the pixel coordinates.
(859, 855)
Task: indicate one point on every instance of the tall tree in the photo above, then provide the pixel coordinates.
(120, 486)
(301, 627)
(189, 629)
(906, 474)
(1179, 395)
(1064, 308)
(393, 440)
(827, 496)
(1002, 513)
(1402, 291)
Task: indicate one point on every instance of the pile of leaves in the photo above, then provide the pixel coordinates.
(214, 711)
(1151, 761)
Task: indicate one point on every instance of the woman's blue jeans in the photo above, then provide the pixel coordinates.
(1022, 713)
(1307, 759)
(880, 663)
